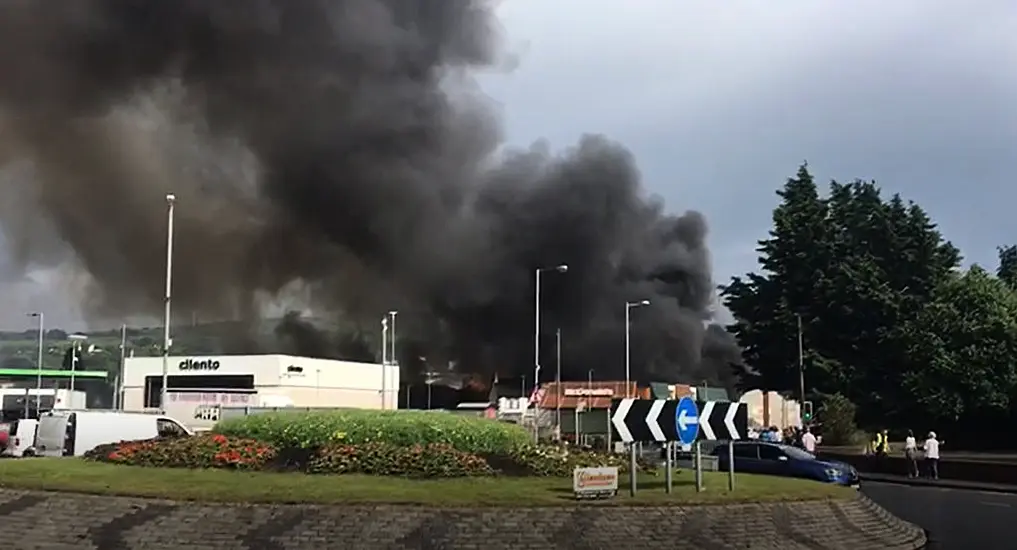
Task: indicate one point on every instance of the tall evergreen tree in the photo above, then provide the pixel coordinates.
(854, 267)
(766, 306)
(1007, 270)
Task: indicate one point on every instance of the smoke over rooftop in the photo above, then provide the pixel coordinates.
(337, 150)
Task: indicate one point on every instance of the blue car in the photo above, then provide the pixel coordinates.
(760, 457)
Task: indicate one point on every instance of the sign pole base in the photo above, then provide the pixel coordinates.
(632, 469)
(730, 465)
(668, 447)
(699, 467)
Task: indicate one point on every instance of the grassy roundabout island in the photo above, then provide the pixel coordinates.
(347, 457)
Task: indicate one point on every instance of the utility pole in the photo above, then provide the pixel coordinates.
(557, 385)
(118, 383)
(167, 340)
(801, 361)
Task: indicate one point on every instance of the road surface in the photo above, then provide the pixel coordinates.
(1008, 458)
(956, 519)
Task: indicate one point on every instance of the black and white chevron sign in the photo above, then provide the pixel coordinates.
(723, 420)
(647, 420)
(643, 420)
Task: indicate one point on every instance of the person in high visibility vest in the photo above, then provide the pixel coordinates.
(880, 448)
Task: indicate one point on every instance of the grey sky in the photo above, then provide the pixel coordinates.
(720, 101)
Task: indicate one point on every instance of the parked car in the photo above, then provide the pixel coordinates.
(74, 433)
(759, 457)
(19, 438)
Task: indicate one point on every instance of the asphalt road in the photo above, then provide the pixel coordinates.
(952, 455)
(956, 519)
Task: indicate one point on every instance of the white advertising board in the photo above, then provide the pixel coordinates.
(590, 483)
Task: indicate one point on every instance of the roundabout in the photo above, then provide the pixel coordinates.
(371, 480)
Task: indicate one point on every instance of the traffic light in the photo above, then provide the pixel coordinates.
(807, 411)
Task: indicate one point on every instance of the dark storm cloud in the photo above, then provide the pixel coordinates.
(317, 142)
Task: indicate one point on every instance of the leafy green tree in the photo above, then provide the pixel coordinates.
(837, 415)
(1007, 270)
(964, 346)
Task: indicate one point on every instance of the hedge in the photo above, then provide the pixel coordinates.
(317, 429)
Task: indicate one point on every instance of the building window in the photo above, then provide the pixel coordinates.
(196, 383)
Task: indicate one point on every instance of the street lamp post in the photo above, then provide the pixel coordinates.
(77, 352)
(384, 357)
(628, 346)
(536, 336)
(557, 386)
(38, 365)
(171, 200)
(392, 358)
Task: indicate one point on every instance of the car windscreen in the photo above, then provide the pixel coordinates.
(796, 453)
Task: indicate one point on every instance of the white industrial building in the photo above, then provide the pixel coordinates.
(198, 385)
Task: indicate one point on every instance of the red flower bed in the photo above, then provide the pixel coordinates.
(201, 451)
(434, 460)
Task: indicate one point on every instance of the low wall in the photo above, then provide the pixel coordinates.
(959, 470)
(66, 521)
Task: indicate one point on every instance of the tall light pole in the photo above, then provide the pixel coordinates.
(392, 356)
(628, 346)
(171, 200)
(801, 362)
(118, 396)
(384, 357)
(557, 386)
(536, 337)
(77, 352)
(38, 365)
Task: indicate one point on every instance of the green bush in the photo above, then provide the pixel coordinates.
(202, 451)
(319, 429)
(837, 413)
(549, 461)
(433, 460)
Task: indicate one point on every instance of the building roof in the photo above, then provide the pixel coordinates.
(595, 395)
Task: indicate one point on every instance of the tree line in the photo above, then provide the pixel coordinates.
(889, 319)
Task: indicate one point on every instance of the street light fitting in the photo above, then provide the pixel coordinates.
(644, 303)
(562, 268)
(170, 197)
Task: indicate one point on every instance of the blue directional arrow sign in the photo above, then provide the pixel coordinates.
(686, 421)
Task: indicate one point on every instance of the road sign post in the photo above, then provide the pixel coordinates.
(686, 425)
(730, 465)
(635, 421)
(668, 464)
(699, 467)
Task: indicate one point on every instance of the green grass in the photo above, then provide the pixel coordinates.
(75, 475)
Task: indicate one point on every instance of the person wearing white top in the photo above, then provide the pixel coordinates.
(809, 441)
(911, 454)
(931, 448)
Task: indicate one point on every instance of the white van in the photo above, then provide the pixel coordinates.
(74, 433)
(21, 437)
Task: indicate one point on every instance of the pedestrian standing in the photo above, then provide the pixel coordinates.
(931, 448)
(809, 441)
(911, 454)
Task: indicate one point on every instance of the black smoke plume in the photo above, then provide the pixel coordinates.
(335, 149)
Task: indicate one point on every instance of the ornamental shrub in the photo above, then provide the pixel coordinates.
(550, 461)
(433, 460)
(319, 429)
(201, 451)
